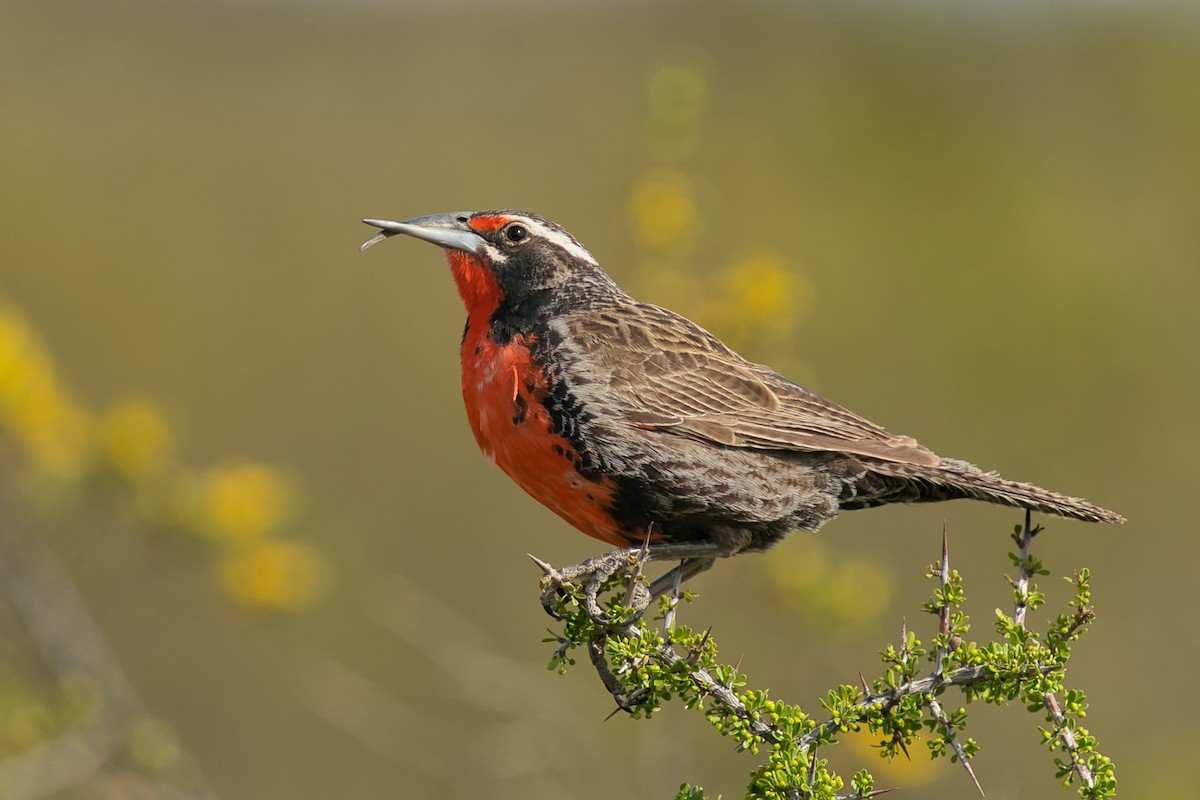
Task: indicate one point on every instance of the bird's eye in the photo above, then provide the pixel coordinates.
(516, 233)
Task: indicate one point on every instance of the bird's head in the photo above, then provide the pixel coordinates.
(507, 259)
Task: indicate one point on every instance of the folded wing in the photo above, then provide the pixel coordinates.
(686, 382)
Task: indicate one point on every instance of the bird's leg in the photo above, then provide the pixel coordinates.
(688, 568)
(672, 605)
(697, 557)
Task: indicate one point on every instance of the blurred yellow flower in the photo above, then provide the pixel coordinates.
(756, 301)
(800, 567)
(839, 593)
(243, 503)
(900, 771)
(136, 439)
(14, 337)
(273, 575)
(238, 505)
(24, 722)
(55, 432)
(663, 212)
(858, 592)
(764, 288)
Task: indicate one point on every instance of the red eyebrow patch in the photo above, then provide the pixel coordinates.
(489, 224)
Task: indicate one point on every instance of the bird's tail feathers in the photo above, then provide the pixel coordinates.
(953, 479)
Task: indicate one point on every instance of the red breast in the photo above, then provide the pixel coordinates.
(504, 390)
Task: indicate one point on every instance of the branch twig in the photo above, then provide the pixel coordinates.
(1021, 586)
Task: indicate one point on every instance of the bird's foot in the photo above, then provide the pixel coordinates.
(592, 578)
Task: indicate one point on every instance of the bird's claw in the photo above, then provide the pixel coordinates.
(591, 576)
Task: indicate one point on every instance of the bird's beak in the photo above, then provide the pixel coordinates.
(445, 230)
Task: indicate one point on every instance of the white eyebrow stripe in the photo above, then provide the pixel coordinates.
(563, 239)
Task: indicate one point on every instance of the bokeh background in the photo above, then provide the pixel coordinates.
(249, 549)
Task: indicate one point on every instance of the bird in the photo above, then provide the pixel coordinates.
(635, 425)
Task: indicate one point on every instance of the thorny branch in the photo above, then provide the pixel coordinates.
(724, 695)
(944, 610)
(1024, 538)
(681, 656)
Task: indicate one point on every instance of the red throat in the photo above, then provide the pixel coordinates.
(477, 286)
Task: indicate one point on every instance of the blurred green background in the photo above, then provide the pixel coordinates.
(243, 441)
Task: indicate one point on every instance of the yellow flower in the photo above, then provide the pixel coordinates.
(762, 286)
(136, 439)
(858, 592)
(800, 568)
(54, 431)
(243, 503)
(24, 722)
(842, 594)
(14, 340)
(663, 212)
(273, 575)
(26, 376)
(917, 770)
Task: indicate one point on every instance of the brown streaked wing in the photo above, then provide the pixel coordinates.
(674, 376)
